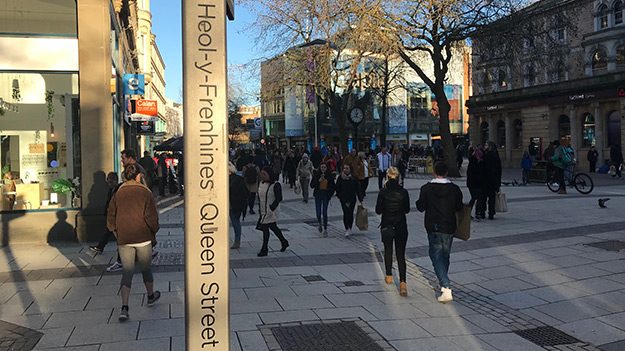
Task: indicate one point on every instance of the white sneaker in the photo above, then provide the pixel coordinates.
(115, 267)
(348, 232)
(445, 295)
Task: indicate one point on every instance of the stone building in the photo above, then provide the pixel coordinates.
(560, 73)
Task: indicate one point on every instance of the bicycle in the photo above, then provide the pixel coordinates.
(580, 181)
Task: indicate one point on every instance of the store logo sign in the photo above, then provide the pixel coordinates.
(147, 107)
(134, 84)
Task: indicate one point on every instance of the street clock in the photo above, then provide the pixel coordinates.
(356, 115)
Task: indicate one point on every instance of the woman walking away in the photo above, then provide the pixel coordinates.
(250, 176)
(475, 181)
(323, 184)
(348, 192)
(132, 216)
(270, 195)
(238, 203)
(393, 203)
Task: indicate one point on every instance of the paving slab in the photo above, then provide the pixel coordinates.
(593, 331)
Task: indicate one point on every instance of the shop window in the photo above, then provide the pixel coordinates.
(614, 128)
(599, 60)
(620, 55)
(618, 12)
(530, 75)
(603, 16)
(501, 134)
(588, 130)
(517, 142)
(564, 127)
(39, 141)
(56, 18)
(503, 79)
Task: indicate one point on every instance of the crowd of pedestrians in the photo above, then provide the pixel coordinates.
(330, 175)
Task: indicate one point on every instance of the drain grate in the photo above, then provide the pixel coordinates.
(313, 278)
(15, 337)
(341, 336)
(547, 336)
(354, 283)
(609, 245)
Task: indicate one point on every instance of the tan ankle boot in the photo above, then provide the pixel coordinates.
(389, 279)
(403, 290)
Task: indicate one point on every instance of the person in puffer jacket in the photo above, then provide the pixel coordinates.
(440, 199)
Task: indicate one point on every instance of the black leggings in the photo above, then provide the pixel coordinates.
(274, 228)
(251, 200)
(401, 238)
(348, 213)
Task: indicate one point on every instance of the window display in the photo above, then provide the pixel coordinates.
(37, 141)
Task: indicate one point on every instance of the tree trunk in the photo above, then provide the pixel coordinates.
(383, 118)
(448, 145)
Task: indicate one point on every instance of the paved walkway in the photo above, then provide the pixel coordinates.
(548, 274)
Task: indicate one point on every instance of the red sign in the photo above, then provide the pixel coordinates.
(621, 92)
(147, 107)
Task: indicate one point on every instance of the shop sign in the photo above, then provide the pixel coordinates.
(134, 84)
(146, 107)
(580, 97)
(36, 148)
(621, 92)
(493, 108)
(146, 128)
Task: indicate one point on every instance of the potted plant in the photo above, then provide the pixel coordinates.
(66, 186)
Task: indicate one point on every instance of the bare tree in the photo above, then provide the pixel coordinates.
(322, 45)
(437, 28)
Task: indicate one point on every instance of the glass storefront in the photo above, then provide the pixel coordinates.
(39, 108)
(39, 144)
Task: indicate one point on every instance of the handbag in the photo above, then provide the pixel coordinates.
(388, 232)
(463, 223)
(362, 218)
(501, 203)
(298, 188)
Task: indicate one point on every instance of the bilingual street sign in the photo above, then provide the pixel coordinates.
(206, 174)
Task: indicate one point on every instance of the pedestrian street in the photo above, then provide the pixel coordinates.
(549, 274)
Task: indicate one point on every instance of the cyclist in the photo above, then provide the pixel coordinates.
(563, 158)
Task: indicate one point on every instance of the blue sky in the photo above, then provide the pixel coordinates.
(166, 25)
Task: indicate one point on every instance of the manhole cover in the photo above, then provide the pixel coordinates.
(342, 336)
(609, 245)
(547, 336)
(354, 283)
(313, 278)
(15, 337)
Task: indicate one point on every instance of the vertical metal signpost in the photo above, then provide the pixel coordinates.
(206, 175)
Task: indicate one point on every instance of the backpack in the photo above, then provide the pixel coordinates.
(251, 175)
(567, 156)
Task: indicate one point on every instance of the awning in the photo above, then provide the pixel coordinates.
(173, 144)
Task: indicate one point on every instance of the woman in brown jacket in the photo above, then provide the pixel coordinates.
(133, 218)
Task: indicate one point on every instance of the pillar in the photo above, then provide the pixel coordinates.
(474, 129)
(96, 113)
(600, 123)
(492, 129)
(575, 129)
(509, 137)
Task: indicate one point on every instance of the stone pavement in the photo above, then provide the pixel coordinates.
(548, 274)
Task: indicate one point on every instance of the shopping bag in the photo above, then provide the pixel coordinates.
(501, 204)
(298, 188)
(463, 223)
(362, 218)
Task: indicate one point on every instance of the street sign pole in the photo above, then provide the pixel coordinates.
(206, 175)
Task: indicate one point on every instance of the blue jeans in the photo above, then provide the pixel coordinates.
(321, 205)
(440, 247)
(235, 220)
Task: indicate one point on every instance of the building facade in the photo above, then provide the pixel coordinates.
(62, 113)
(293, 115)
(564, 78)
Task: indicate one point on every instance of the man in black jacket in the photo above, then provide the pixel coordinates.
(440, 199)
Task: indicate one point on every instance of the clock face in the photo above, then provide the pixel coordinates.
(356, 115)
